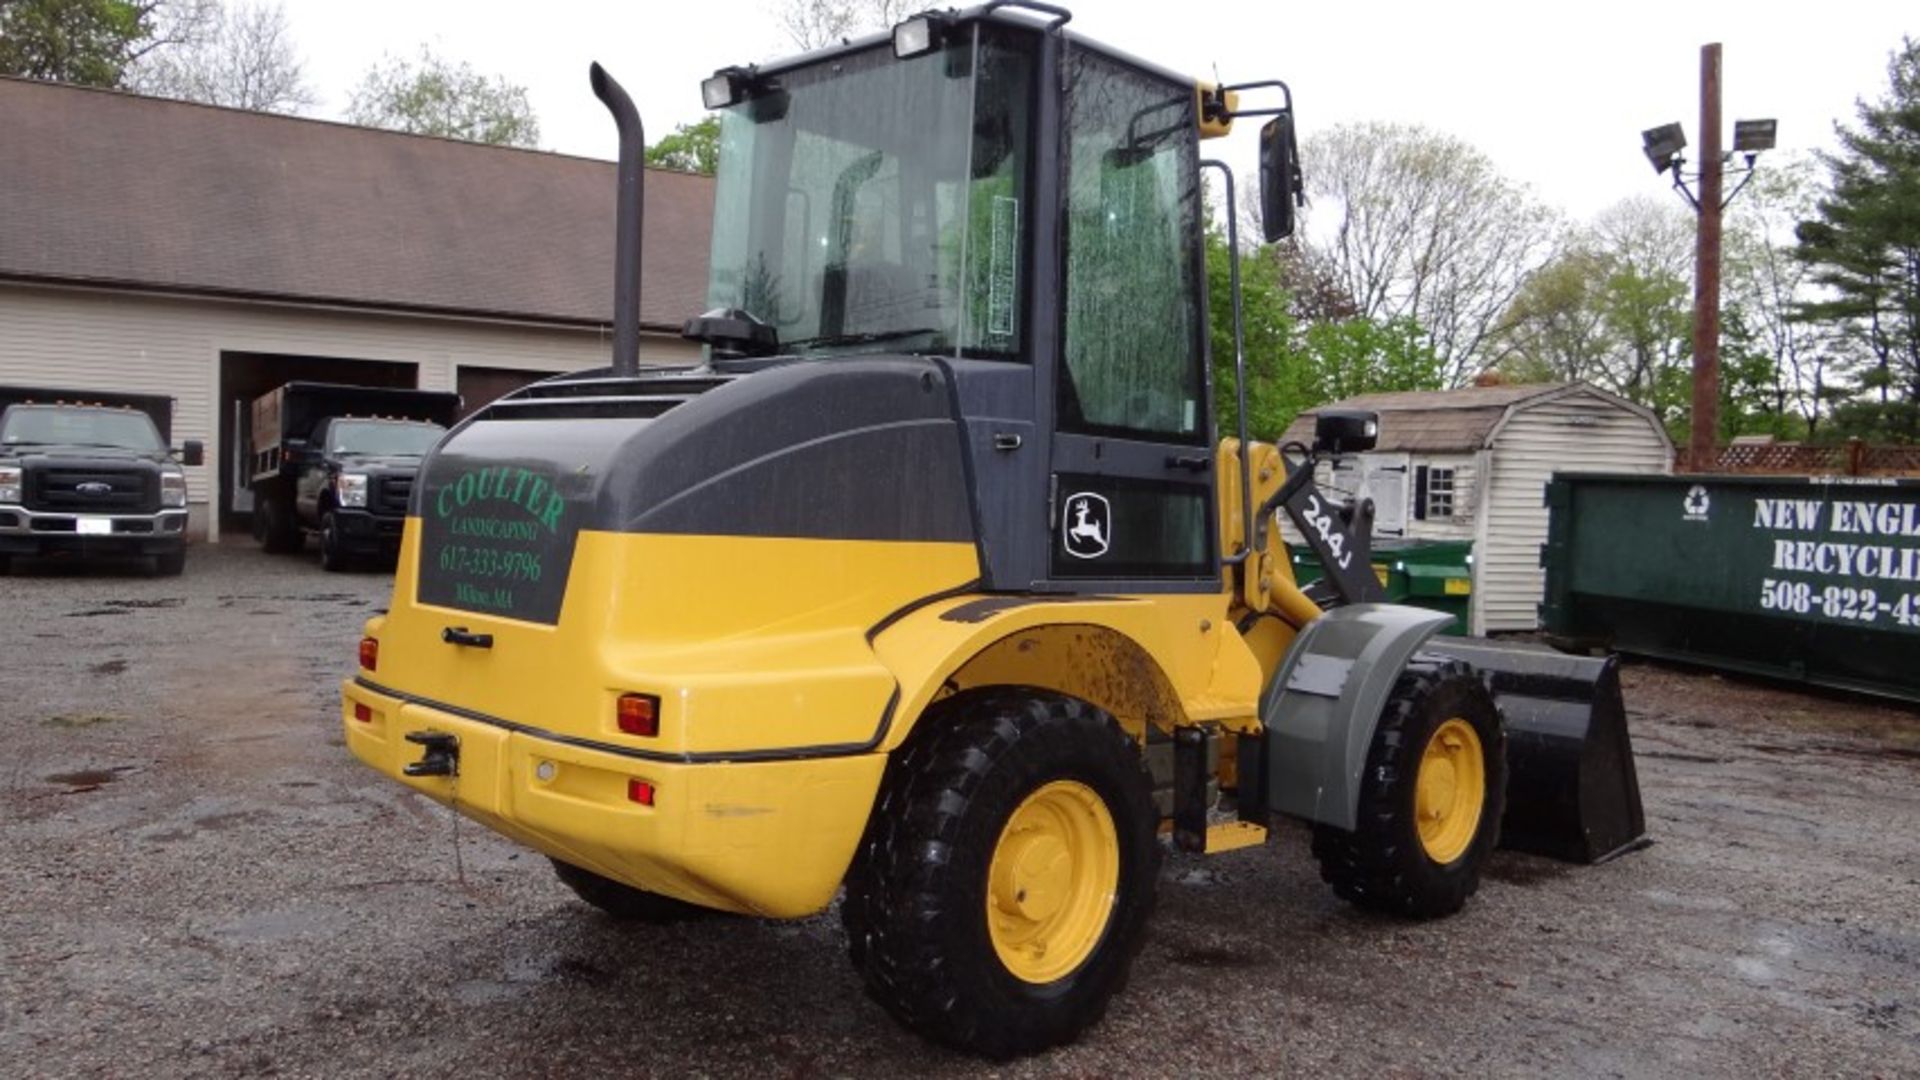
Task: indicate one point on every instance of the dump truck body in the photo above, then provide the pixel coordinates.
(338, 463)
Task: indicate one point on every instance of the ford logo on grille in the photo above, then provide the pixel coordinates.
(94, 487)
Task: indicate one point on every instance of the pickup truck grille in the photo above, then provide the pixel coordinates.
(390, 494)
(91, 490)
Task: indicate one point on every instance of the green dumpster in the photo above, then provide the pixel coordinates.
(1433, 574)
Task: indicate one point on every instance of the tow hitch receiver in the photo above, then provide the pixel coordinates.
(442, 757)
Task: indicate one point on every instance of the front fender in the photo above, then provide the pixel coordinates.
(1324, 701)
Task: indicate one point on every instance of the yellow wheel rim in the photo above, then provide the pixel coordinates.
(1052, 881)
(1451, 791)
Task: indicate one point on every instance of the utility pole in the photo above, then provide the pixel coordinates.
(1701, 454)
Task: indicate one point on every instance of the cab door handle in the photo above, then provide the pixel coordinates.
(1191, 462)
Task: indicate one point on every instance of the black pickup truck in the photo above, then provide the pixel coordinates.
(89, 474)
(338, 462)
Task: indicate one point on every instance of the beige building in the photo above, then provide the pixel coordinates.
(211, 254)
(1473, 464)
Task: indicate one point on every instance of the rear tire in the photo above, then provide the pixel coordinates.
(1420, 841)
(333, 558)
(625, 903)
(170, 564)
(275, 526)
(1004, 795)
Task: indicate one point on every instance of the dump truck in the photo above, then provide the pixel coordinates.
(338, 462)
(934, 588)
(90, 474)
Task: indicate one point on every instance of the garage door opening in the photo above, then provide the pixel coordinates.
(481, 386)
(246, 375)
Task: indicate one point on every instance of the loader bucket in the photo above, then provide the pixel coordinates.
(1572, 793)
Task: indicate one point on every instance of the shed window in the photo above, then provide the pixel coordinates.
(1439, 493)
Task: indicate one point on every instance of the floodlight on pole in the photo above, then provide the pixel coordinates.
(1753, 136)
(1662, 145)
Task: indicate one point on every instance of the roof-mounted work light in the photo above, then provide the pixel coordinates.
(917, 35)
(725, 87)
(1662, 145)
(1753, 136)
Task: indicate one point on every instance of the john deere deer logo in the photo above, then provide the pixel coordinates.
(1086, 525)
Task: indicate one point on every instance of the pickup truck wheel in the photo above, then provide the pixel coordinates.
(1430, 800)
(275, 525)
(1005, 881)
(624, 902)
(332, 557)
(6, 565)
(170, 564)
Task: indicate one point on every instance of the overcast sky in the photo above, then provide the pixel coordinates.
(1556, 93)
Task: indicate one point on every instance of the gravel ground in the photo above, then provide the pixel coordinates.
(199, 880)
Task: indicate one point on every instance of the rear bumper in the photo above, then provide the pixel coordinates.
(770, 838)
(36, 532)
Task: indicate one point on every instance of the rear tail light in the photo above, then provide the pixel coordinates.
(370, 653)
(639, 714)
(640, 791)
(362, 713)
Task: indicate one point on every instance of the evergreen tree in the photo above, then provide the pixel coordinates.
(1863, 248)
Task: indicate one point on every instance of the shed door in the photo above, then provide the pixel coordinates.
(1380, 477)
(1385, 482)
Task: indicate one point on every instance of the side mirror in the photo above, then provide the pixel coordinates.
(1281, 184)
(1345, 431)
(193, 452)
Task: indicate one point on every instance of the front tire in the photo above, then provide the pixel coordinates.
(333, 556)
(1430, 800)
(624, 903)
(1004, 884)
(171, 564)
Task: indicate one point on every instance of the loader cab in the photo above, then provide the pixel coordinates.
(1022, 210)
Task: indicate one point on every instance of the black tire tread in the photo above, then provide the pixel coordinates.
(1375, 867)
(624, 903)
(897, 904)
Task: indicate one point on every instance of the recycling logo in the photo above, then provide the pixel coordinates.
(1697, 503)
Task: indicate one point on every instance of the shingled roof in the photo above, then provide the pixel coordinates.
(106, 188)
(1442, 421)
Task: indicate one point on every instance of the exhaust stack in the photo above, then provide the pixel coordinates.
(627, 222)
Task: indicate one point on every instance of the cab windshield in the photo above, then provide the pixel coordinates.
(384, 437)
(54, 425)
(871, 203)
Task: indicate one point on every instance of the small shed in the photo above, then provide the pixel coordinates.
(1473, 464)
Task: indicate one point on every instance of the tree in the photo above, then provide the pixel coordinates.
(92, 42)
(816, 24)
(1293, 364)
(433, 96)
(244, 60)
(1419, 226)
(692, 147)
(1612, 308)
(1863, 248)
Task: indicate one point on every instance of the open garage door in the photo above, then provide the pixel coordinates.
(481, 386)
(245, 376)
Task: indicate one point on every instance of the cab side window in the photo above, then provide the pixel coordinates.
(1132, 340)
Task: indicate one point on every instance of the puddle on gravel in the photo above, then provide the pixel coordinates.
(87, 779)
(109, 667)
(75, 721)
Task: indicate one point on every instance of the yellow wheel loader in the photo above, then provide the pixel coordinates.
(933, 586)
